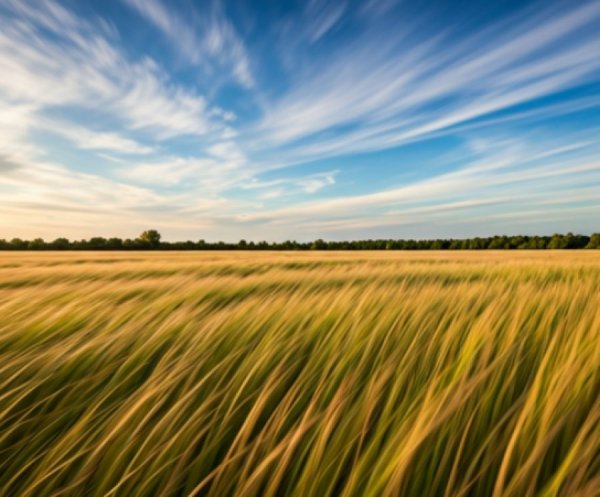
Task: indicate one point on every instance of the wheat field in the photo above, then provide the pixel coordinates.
(300, 374)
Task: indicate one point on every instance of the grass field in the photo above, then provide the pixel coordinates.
(301, 374)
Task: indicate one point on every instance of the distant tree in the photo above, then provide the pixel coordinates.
(568, 241)
(517, 242)
(576, 241)
(454, 244)
(18, 244)
(594, 242)
(288, 245)
(114, 244)
(187, 245)
(60, 244)
(498, 243)
(37, 244)
(319, 244)
(438, 245)
(151, 238)
(557, 242)
(97, 243)
(534, 243)
(477, 243)
(129, 244)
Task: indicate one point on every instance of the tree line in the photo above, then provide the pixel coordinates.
(151, 240)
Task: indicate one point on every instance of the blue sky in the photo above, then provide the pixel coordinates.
(297, 120)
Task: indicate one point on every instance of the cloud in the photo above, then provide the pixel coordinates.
(86, 139)
(205, 176)
(51, 187)
(322, 17)
(15, 122)
(228, 151)
(212, 40)
(316, 182)
(524, 167)
(7, 165)
(51, 200)
(78, 66)
(291, 185)
(56, 63)
(383, 90)
(376, 8)
(187, 158)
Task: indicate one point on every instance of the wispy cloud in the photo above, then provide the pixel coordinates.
(56, 62)
(322, 17)
(78, 66)
(205, 175)
(308, 184)
(87, 139)
(205, 39)
(96, 126)
(382, 94)
(316, 182)
(522, 166)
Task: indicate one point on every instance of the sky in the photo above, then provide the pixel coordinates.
(275, 120)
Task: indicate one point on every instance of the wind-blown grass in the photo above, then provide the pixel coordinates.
(263, 374)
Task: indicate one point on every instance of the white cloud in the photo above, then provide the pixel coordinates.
(228, 151)
(177, 160)
(322, 17)
(379, 93)
(477, 182)
(87, 139)
(376, 8)
(291, 185)
(204, 175)
(316, 182)
(15, 122)
(78, 66)
(51, 60)
(212, 40)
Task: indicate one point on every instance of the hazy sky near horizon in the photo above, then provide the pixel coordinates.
(298, 120)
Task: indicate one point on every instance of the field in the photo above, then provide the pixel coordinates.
(301, 374)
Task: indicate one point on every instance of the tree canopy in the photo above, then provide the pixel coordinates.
(151, 240)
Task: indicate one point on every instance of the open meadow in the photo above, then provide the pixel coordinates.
(300, 374)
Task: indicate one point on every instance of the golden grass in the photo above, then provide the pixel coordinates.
(301, 374)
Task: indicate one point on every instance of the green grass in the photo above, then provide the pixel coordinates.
(300, 374)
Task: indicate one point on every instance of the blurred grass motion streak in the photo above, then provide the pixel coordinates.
(304, 374)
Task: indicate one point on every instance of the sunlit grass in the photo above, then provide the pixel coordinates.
(301, 374)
